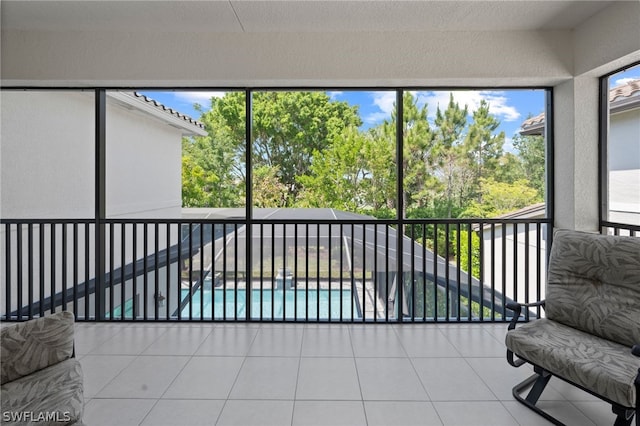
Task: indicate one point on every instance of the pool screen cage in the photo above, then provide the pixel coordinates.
(299, 254)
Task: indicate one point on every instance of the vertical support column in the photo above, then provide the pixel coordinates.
(603, 141)
(100, 201)
(399, 305)
(549, 170)
(576, 148)
(249, 207)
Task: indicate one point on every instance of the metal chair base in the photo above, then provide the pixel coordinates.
(539, 380)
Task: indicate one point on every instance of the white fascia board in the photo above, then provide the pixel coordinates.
(188, 129)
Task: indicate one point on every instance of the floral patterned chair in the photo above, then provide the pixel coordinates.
(590, 336)
(41, 381)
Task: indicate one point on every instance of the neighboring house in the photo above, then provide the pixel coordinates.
(48, 150)
(510, 242)
(623, 202)
(48, 171)
(623, 151)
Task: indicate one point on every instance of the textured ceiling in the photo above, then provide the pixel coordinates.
(297, 16)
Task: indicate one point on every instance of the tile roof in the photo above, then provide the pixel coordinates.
(631, 88)
(532, 123)
(621, 98)
(168, 110)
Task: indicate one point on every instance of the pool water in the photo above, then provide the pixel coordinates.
(277, 304)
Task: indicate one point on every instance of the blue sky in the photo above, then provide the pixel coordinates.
(511, 107)
(626, 76)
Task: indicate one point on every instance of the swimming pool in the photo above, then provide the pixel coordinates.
(267, 303)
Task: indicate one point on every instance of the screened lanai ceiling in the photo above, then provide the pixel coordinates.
(297, 15)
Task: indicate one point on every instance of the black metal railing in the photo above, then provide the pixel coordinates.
(272, 270)
(613, 228)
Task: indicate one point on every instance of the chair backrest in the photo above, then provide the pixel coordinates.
(593, 284)
(32, 345)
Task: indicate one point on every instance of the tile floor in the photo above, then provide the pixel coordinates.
(310, 374)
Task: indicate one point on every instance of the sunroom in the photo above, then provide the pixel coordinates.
(420, 341)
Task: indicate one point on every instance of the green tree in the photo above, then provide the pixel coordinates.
(268, 191)
(499, 198)
(417, 154)
(338, 176)
(469, 253)
(531, 150)
(450, 125)
(289, 127)
(379, 153)
(197, 184)
(509, 168)
(213, 172)
(483, 149)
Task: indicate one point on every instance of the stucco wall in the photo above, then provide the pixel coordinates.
(47, 155)
(624, 133)
(143, 166)
(47, 158)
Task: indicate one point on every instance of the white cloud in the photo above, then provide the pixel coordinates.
(498, 102)
(202, 98)
(333, 95)
(622, 81)
(376, 117)
(385, 102)
(508, 145)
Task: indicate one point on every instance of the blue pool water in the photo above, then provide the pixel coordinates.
(267, 303)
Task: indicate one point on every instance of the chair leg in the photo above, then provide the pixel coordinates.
(624, 416)
(539, 380)
(539, 385)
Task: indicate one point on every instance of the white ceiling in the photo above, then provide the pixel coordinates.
(296, 15)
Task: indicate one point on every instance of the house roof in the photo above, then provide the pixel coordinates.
(533, 125)
(625, 97)
(532, 211)
(171, 111)
(142, 103)
(621, 98)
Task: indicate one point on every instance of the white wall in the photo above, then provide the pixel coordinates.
(144, 163)
(517, 273)
(48, 173)
(47, 155)
(576, 154)
(624, 140)
(608, 40)
(47, 158)
(624, 167)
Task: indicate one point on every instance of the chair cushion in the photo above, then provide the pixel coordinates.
(33, 345)
(54, 394)
(593, 284)
(602, 366)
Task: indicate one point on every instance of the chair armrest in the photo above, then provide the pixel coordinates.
(517, 310)
(635, 350)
